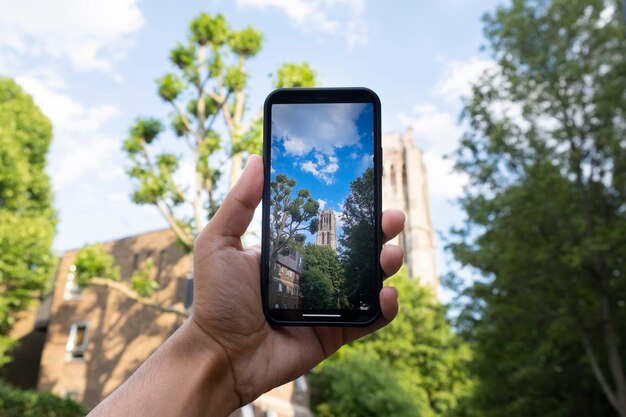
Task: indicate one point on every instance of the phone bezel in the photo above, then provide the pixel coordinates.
(293, 317)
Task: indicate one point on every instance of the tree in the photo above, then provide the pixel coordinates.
(322, 282)
(546, 211)
(18, 403)
(27, 219)
(289, 215)
(208, 86)
(360, 384)
(428, 360)
(357, 241)
(96, 266)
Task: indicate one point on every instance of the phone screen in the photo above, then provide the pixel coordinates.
(322, 249)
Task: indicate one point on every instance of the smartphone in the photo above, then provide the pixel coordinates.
(322, 237)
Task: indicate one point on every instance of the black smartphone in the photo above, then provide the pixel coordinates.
(322, 235)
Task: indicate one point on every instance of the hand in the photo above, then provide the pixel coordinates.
(228, 314)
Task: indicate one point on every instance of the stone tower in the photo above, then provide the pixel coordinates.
(327, 229)
(405, 188)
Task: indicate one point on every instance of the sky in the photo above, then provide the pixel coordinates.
(323, 147)
(91, 66)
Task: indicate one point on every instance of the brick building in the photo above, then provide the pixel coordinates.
(96, 337)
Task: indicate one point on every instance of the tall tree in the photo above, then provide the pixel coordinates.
(323, 281)
(27, 220)
(290, 215)
(546, 210)
(207, 94)
(357, 245)
(427, 359)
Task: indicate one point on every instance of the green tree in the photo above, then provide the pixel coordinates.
(27, 220)
(360, 384)
(207, 94)
(18, 403)
(357, 244)
(427, 358)
(546, 211)
(96, 266)
(289, 215)
(322, 282)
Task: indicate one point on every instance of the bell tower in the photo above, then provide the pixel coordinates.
(327, 229)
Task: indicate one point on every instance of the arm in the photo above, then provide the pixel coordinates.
(226, 354)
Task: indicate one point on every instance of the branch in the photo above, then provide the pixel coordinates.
(182, 235)
(597, 372)
(118, 286)
(187, 123)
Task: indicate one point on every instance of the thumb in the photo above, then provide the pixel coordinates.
(236, 212)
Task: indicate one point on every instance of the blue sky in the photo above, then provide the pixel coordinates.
(91, 67)
(323, 147)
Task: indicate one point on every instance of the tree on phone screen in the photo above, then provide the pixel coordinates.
(357, 242)
(291, 214)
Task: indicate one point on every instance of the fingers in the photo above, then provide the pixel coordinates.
(389, 310)
(393, 223)
(391, 259)
(236, 212)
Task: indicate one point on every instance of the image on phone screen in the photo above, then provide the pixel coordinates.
(322, 212)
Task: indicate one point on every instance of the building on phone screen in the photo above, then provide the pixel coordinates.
(405, 187)
(284, 291)
(327, 229)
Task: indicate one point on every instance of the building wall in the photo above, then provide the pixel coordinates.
(405, 188)
(122, 333)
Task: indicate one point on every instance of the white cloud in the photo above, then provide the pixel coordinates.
(309, 166)
(322, 203)
(436, 129)
(458, 77)
(323, 127)
(66, 113)
(340, 18)
(323, 168)
(90, 35)
(295, 146)
(443, 181)
(79, 148)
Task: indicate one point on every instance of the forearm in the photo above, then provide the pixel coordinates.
(186, 376)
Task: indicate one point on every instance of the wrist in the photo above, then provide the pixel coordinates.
(214, 382)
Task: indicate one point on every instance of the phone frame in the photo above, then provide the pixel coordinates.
(346, 318)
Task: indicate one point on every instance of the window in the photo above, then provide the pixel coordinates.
(73, 291)
(280, 287)
(70, 394)
(301, 384)
(188, 293)
(77, 341)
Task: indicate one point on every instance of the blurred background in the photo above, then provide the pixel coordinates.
(124, 123)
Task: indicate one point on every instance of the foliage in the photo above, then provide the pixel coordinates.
(206, 88)
(27, 219)
(360, 384)
(295, 76)
(141, 281)
(428, 359)
(322, 282)
(95, 261)
(546, 212)
(18, 403)
(290, 214)
(357, 243)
